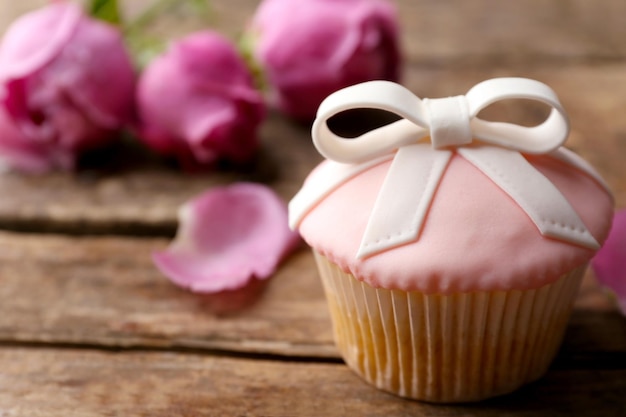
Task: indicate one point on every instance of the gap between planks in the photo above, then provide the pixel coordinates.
(565, 359)
(175, 349)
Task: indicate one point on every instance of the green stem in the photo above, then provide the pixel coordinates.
(147, 17)
(143, 45)
(106, 10)
(162, 7)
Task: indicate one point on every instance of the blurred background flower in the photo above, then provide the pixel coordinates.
(25, 155)
(310, 48)
(609, 264)
(67, 85)
(67, 82)
(197, 102)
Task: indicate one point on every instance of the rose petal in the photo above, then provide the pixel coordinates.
(226, 237)
(105, 87)
(609, 264)
(23, 154)
(25, 50)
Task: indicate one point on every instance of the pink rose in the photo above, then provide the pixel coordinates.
(311, 48)
(609, 264)
(197, 102)
(68, 83)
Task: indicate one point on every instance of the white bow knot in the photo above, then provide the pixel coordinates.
(448, 121)
(417, 167)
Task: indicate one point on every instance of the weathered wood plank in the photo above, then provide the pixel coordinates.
(126, 190)
(477, 33)
(141, 196)
(105, 291)
(71, 383)
(485, 33)
(129, 192)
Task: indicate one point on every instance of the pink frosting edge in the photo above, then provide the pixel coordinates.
(503, 250)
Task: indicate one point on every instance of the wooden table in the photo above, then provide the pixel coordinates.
(89, 327)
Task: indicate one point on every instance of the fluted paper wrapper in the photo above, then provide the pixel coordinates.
(447, 348)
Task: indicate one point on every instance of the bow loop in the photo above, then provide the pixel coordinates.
(381, 95)
(543, 138)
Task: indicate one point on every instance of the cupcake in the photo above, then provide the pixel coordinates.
(450, 248)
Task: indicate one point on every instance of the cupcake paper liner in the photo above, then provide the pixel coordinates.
(447, 348)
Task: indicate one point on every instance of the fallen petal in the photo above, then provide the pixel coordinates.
(226, 237)
(609, 264)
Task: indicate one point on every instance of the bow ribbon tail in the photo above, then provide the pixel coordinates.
(400, 211)
(554, 217)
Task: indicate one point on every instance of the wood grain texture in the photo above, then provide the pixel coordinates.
(476, 33)
(106, 291)
(89, 327)
(574, 46)
(126, 190)
(68, 383)
(136, 193)
(488, 33)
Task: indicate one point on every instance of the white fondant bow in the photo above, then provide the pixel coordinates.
(451, 123)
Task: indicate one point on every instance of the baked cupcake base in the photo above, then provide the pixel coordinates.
(447, 348)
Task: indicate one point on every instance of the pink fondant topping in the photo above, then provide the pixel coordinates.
(475, 237)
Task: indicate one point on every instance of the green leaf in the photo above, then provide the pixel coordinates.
(106, 10)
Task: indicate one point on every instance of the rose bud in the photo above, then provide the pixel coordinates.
(311, 48)
(68, 82)
(197, 102)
